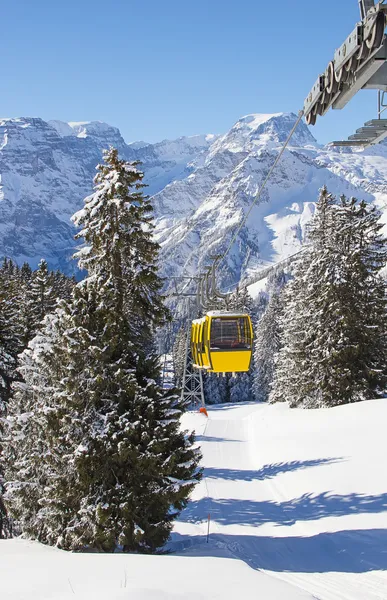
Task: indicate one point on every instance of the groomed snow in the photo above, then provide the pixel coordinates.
(298, 505)
(298, 494)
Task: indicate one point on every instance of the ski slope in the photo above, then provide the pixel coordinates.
(298, 506)
(299, 495)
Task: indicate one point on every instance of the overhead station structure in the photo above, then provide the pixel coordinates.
(360, 63)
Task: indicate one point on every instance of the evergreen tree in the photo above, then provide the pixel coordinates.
(61, 285)
(178, 354)
(26, 272)
(267, 346)
(115, 469)
(10, 346)
(27, 449)
(334, 325)
(268, 336)
(259, 305)
(42, 299)
(240, 384)
(240, 387)
(241, 301)
(216, 389)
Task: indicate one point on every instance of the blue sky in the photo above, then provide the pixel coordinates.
(165, 68)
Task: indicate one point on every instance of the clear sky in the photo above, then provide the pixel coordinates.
(165, 68)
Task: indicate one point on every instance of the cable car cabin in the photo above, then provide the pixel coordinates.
(221, 342)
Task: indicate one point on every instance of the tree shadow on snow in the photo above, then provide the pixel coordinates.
(209, 438)
(305, 508)
(228, 405)
(357, 551)
(267, 471)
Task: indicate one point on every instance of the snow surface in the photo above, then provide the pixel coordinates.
(298, 494)
(298, 505)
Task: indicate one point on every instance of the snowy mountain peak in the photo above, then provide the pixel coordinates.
(269, 130)
(138, 145)
(93, 128)
(63, 129)
(256, 120)
(98, 131)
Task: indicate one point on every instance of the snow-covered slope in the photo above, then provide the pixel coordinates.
(202, 187)
(46, 169)
(298, 494)
(298, 510)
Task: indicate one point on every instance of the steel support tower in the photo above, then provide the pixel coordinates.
(192, 392)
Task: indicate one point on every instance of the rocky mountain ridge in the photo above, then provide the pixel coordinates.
(47, 168)
(202, 187)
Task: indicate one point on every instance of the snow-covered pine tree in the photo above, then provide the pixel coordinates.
(267, 336)
(41, 295)
(267, 346)
(276, 281)
(334, 325)
(216, 389)
(26, 272)
(10, 332)
(259, 305)
(61, 285)
(178, 354)
(120, 469)
(27, 446)
(294, 373)
(10, 346)
(240, 384)
(240, 389)
(360, 293)
(241, 301)
(18, 323)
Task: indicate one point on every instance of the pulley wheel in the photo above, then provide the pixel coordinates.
(331, 85)
(375, 39)
(348, 65)
(362, 53)
(321, 106)
(311, 117)
(340, 75)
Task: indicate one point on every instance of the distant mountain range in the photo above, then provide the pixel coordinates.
(201, 186)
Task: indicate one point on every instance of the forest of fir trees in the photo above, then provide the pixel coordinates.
(93, 457)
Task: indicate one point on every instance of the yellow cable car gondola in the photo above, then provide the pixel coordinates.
(221, 342)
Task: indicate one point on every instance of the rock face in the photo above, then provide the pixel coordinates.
(202, 187)
(47, 169)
